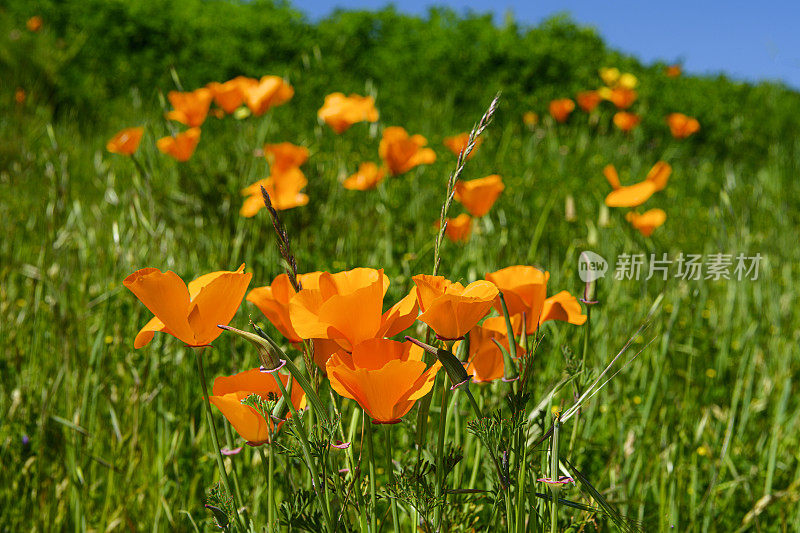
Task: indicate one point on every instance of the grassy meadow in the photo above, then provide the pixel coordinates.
(698, 432)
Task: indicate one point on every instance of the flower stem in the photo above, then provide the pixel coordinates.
(213, 430)
(440, 452)
(316, 481)
(554, 476)
(269, 471)
(367, 424)
(477, 410)
(390, 473)
(582, 377)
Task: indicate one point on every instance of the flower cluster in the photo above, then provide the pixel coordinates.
(342, 315)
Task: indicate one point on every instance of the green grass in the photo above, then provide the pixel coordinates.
(699, 433)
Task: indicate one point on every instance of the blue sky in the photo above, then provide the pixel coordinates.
(752, 40)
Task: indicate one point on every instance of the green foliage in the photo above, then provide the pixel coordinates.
(91, 54)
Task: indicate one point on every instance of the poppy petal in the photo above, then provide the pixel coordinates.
(166, 296)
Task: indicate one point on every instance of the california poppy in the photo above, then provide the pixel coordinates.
(180, 147)
(230, 95)
(367, 177)
(588, 100)
(458, 143)
(347, 306)
(563, 306)
(401, 152)
(479, 195)
(229, 391)
(648, 221)
(621, 97)
(273, 301)
(638, 193)
(34, 23)
(458, 229)
(485, 358)
(126, 141)
(530, 119)
(561, 109)
(269, 92)
(613, 78)
(284, 191)
(385, 377)
(610, 76)
(20, 95)
(451, 309)
(190, 313)
(284, 156)
(625, 121)
(524, 289)
(191, 108)
(681, 126)
(627, 81)
(673, 71)
(340, 111)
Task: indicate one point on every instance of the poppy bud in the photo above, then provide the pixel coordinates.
(454, 368)
(265, 353)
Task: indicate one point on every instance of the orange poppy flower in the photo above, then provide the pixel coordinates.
(369, 175)
(340, 111)
(126, 141)
(273, 301)
(451, 309)
(485, 358)
(458, 143)
(588, 100)
(524, 289)
(284, 156)
(625, 121)
(648, 221)
(283, 189)
(564, 307)
(191, 108)
(681, 126)
(479, 195)
(673, 71)
(458, 229)
(401, 153)
(346, 308)
(385, 377)
(190, 313)
(229, 96)
(34, 23)
(561, 109)
(638, 193)
(181, 147)
(269, 92)
(228, 392)
(621, 97)
(530, 119)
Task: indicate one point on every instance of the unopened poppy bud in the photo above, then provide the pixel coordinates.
(590, 293)
(454, 368)
(265, 353)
